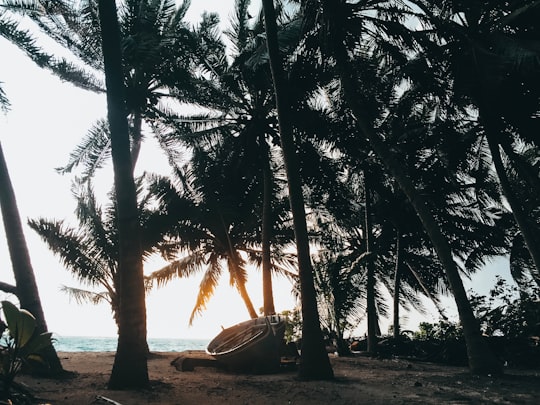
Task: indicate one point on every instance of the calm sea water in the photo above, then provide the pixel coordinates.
(108, 344)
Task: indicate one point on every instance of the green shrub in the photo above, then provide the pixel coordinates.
(20, 345)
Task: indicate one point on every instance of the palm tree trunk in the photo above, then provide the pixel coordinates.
(247, 301)
(314, 361)
(136, 139)
(26, 287)
(481, 359)
(130, 369)
(372, 321)
(397, 285)
(266, 231)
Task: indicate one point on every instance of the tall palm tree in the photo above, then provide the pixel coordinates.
(338, 18)
(163, 60)
(130, 369)
(314, 361)
(26, 288)
(246, 113)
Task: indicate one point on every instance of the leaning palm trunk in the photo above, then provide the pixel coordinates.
(481, 359)
(130, 369)
(397, 285)
(25, 282)
(266, 231)
(372, 321)
(247, 301)
(314, 361)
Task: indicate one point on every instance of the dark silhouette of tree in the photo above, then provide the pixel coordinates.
(341, 41)
(25, 288)
(314, 362)
(89, 251)
(130, 368)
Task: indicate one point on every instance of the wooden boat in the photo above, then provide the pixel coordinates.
(250, 346)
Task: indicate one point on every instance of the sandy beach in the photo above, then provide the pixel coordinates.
(358, 380)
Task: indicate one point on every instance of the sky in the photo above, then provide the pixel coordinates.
(46, 121)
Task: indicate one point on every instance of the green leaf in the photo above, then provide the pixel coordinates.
(38, 343)
(20, 322)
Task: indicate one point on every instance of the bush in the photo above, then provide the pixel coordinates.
(20, 345)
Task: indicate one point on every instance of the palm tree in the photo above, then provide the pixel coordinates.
(522, 266)
(90, 250)
(314, 362)
(162, 61)
(491, 56)
(130, 368)
(26, 288)
(247, 113)
(213, 217)
(341, 293)
(337, 19)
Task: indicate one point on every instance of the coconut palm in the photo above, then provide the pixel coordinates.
(491, 55)
(163, 62)
(213, 219)
(522, 266)
(90, 251)
(25, 287)
(341, 295)
(130, 367)
(314, 363)
(246, 114)
(347, 46)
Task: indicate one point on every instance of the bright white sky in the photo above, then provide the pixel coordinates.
(47, 120)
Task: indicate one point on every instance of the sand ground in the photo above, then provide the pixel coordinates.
(358, 380)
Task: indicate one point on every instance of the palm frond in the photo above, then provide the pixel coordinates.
(75, 249)
(92, 152)
(181, 268)
(206, 288)
(4, 102)
(85, 296)
(239, 33)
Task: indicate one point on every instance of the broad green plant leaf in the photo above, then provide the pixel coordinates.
(20, 322)
(38, 343)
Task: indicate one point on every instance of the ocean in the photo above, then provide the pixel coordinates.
(108, 344)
